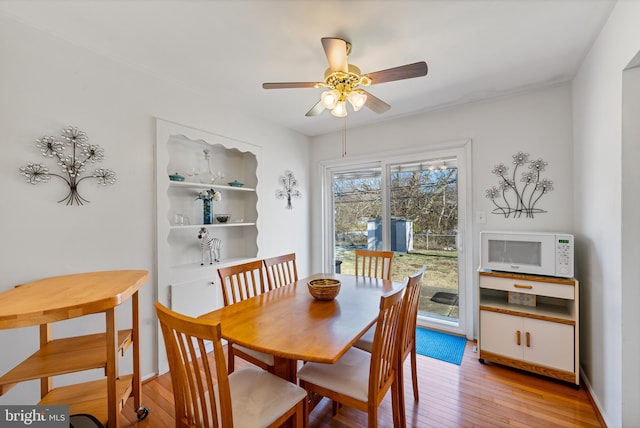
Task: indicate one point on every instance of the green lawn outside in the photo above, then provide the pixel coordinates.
(441, 275)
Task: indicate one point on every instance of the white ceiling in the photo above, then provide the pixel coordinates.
(227, 48)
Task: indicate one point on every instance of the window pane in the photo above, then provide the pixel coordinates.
(423, 226)
(358, 204)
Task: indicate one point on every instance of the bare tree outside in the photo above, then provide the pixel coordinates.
(357, 199)
(424, 218)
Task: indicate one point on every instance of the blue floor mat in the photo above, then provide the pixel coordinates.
(442, 346)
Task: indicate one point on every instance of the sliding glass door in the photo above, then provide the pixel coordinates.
(357, 201)
(413, 206)
(423, 226)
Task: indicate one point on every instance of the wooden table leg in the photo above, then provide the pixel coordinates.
(135, 335)
(113, 408)
(46, 383)
(286, 368)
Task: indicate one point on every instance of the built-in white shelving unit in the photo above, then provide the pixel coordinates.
(183, 283)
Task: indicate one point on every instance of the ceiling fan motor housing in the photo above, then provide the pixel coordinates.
(343, 82)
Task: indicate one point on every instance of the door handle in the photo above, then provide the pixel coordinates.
(527, 339)
(518, 337)
(528, 287)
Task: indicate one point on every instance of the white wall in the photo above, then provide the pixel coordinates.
(48, 84)
(598, 154)
(630, 246)
(536, 122)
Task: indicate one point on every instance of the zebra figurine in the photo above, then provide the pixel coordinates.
(209, 244)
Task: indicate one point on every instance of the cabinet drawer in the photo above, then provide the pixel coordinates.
(562, 291)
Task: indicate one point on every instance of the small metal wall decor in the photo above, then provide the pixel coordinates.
(73, 153)
(515, 197)
(209, 245)
(289, 191)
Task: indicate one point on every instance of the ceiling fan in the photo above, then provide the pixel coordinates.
(344, 81)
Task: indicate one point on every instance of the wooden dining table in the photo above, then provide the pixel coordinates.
(291, 325)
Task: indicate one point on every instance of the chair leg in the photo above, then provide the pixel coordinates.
(373, 415)
(334, 407)
(305, 410)
(397, 396)
(397, 404)
(414, 374)
(299, 416)
(231, 358)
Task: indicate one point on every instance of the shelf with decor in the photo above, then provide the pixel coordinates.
(215, 225)
(185, 157)
(194, 185)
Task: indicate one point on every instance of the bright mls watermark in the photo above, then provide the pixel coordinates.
(34, 416)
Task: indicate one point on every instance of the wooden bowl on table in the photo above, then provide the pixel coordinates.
(324, 288)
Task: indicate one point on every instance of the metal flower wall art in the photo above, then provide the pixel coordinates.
(519, 194)
(289, 188)
(73, 153)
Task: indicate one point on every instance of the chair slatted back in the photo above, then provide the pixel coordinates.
(407, 337)
(191, 372)
(384, 360)
(242, 281)
(410, 313)
(281, 270)
(374, 264)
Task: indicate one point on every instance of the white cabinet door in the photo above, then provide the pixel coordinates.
(550, 344)
(196, 297)
(544, 343)
(498, 334)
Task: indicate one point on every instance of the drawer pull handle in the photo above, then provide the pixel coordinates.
(528, 287)
(518, 337)
(527, 338)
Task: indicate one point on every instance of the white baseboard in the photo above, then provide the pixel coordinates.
(594, 398)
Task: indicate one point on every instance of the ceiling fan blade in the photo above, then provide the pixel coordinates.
(284, 85)
(315, 110)
(408, 71)
(336, 51)
(376, 104)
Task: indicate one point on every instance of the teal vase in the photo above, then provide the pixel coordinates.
(207, 215)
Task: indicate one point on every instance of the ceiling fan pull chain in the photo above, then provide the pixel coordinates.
(344, 137)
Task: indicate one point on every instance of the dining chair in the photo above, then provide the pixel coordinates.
(361, 379)
(242, 399)
(281, 270)
(374, 264)
(241, 282)
(407, 330)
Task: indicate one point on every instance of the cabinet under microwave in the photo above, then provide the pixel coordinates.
(549, 254)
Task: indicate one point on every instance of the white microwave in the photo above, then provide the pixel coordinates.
(549, 254)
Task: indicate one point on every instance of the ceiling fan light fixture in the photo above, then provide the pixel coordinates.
(340, 110)
(357, 99)
(330, 98)
(342, 81)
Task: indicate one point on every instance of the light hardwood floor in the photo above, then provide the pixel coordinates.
(469, 395)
